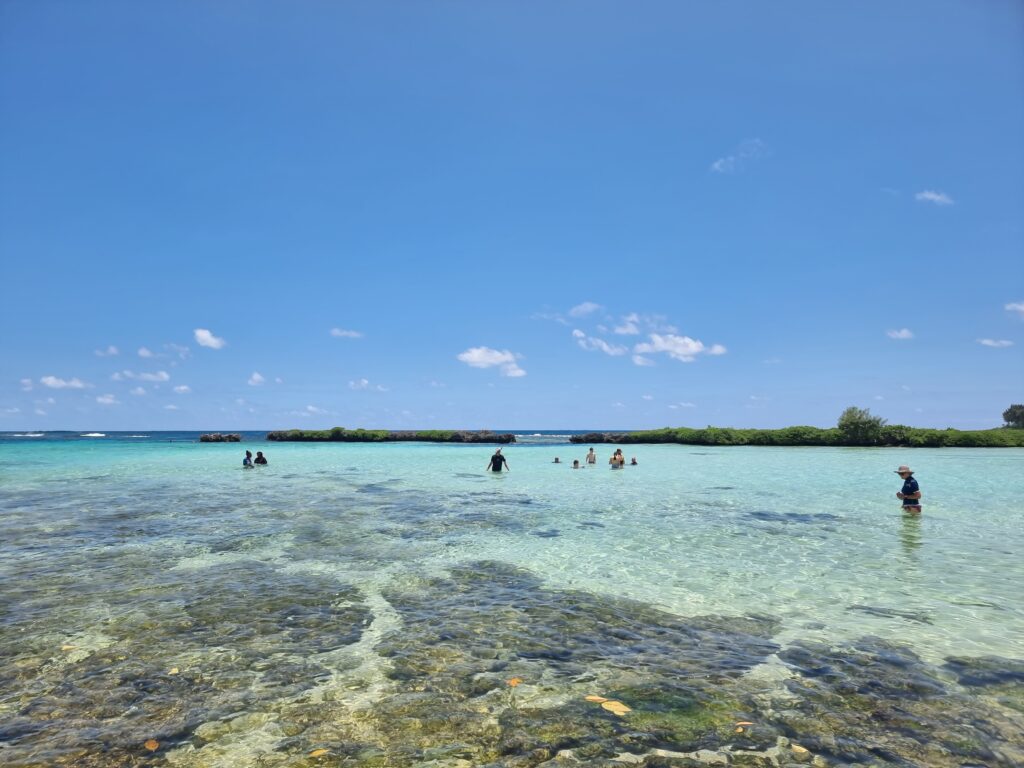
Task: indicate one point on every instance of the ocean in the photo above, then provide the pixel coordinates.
(397, 605)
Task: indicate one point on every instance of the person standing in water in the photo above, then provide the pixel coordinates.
(911, 491)
(591, 457)
(260, 458)
(498, 461)
(247, 461)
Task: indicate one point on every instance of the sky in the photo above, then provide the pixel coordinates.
(509, 215)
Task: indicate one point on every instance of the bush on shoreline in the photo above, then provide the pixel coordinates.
(889, 435)
(342, 435)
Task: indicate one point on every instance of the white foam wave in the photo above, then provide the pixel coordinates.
(93, 434)
(30, 434)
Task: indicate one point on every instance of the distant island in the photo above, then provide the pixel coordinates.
(342, 435)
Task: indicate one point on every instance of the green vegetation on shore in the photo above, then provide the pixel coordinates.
(890, 435)
(342, 435)
(856, 427)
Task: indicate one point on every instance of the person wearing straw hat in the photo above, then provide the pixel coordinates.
(911, 492)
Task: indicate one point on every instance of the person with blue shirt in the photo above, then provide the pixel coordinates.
(911, 492)
(247, 461)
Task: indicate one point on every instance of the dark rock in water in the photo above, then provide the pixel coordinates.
(983, 671)
(892, 613)
(878, 703)
(217, 437)
(548, 534)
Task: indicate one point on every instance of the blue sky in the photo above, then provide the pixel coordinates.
(515, 215)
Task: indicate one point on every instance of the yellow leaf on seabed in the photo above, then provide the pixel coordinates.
(595, 699)
(319, 752)
(173, 671)
(616, 707)
(513, 682)
(744, 722)
(797, 749)
(68, 647)
(739, 730)
(152, 745)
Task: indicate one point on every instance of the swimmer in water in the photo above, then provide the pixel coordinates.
(260, 458)
(247, 461)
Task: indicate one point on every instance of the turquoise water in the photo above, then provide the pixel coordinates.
(373, 601)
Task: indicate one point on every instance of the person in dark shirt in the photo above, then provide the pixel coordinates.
(498, 461)
(247, 461)
(911, 491)
(260, 458)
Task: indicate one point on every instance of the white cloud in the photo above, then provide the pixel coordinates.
(594, 343)
(108, 352)
(642, 361)
(312, 409)
(55, 383)
(382, 388)
(879, 397)
(341, 333)
(681, 348)
(26, 385)
(931, 196)
(107, 400)
(629, 325)
(138, 391)
(750, 149)
(205, 338)
(157, 376)
(902, 333)
(997, 343)
(183, 389)
(584, 309)
(647, 397)
(485, 357)
(40, 412)
(278, 380)
(256, 379)
(359, 384)
(1016, 306)
(675, 406)
(143, 352)
(178, 349)
(170, 407)
(12, 410)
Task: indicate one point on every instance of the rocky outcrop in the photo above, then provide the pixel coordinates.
(601, 437)
(217, 437)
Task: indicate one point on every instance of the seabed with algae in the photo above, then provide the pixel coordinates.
(394, 605)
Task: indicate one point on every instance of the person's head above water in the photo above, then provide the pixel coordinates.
(575, 463)
(557, 460)
(248, 453)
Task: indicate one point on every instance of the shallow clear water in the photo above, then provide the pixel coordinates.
(373, 601)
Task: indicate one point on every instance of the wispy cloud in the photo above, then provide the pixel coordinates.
(26, 385)
(312, 410)
(54, 382)
(902, 334)
(642, 361)
(681, 348)
(748, 150)
(593, 343)
(931, 196)
(108, 352)
(485, 357)
(359, 384)
(342, 333)
(584, 309)
(205, 338)
(629, 326)
(179, 350)
(1015, 306)
(138, 391)
(170, 407)
(157, 376)
(674, 406)
(107, 400)
(39, 412)
(183, 389)
(143, 352)
(256, 379)
(646, 397)
(12, 410)
(997, 343)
